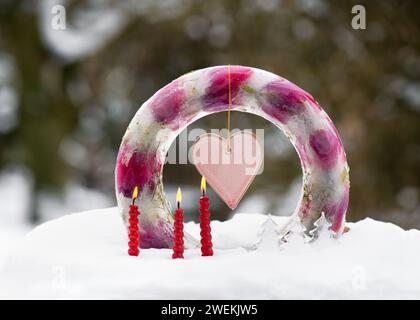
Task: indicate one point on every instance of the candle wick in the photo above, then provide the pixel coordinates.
(178, 204)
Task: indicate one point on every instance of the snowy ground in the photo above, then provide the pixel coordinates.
(9, 239)
(84, 256)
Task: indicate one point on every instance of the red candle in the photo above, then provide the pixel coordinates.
(206, 244)
(178, 242)
(133, 227)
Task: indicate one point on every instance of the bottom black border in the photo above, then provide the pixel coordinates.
(206, 309)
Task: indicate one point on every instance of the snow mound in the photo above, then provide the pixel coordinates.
(83, 256)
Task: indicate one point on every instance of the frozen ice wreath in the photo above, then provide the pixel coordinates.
(194, 95)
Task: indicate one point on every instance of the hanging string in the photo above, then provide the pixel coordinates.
(229, 107)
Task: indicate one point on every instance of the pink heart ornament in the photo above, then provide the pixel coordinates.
(229, 173)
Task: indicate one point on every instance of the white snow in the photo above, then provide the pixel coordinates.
(83, 256)
(10, 235)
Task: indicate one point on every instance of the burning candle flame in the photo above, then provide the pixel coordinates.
(203, 185)
(135, 193)
(178, 196)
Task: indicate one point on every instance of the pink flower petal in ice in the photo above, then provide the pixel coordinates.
(216, 97)
(335, 212)
(283, 100)
(166, 105)
(139, 171)
(325, 144)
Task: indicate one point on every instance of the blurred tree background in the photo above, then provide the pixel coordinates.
(67, 96)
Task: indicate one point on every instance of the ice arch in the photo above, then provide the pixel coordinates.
(196, 94)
